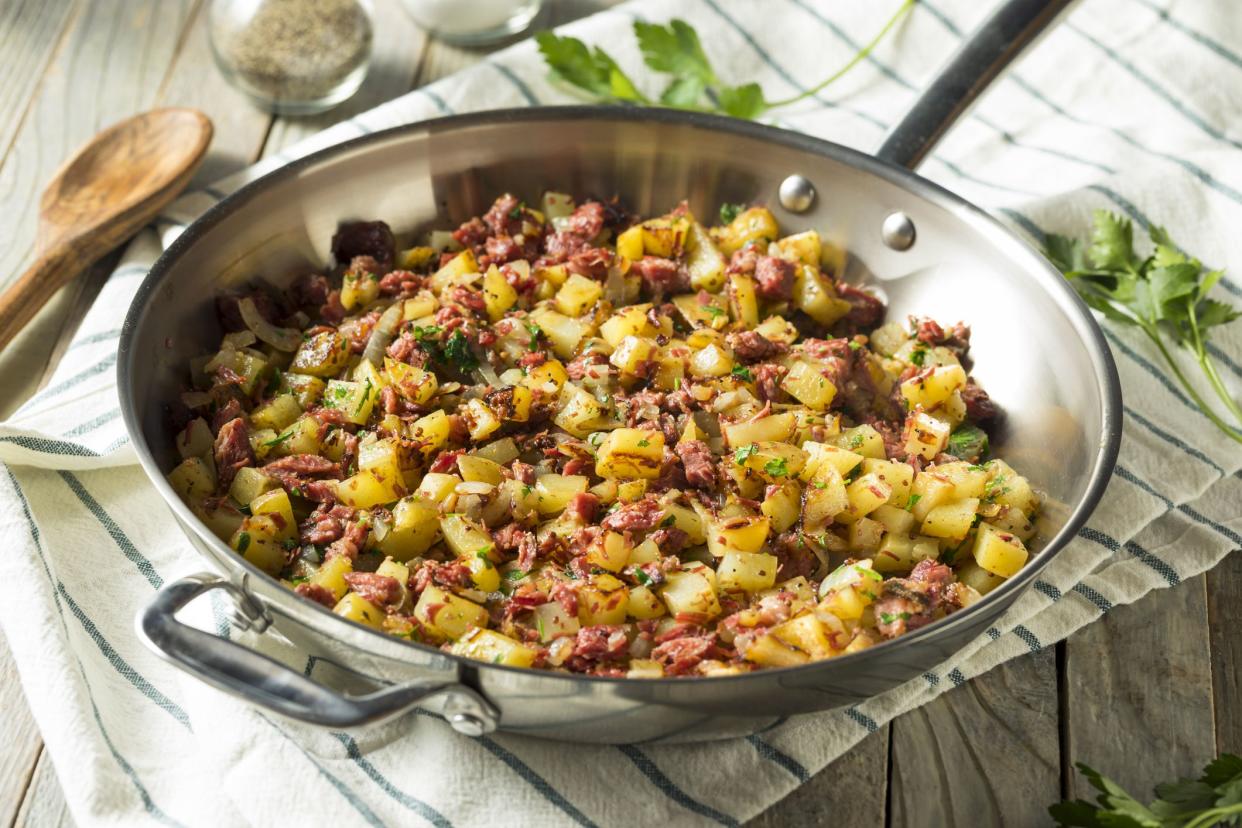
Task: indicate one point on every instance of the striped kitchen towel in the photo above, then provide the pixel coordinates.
(1122, 107)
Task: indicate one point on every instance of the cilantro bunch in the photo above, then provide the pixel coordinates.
(1215, 798)
(674, 50)
(1165, 295)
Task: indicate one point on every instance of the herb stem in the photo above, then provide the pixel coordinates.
(854, 61)
(1214, 816)
(1208, 412)
(1209, 367)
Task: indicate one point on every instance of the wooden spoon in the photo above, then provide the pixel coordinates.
(103, 195)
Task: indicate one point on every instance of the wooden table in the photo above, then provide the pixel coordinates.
(1147, 693)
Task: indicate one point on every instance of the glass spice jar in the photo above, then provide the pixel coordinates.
(473, 22)
(292, 57)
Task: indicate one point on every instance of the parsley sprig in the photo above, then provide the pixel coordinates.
(675, 50)
(1165, 295)
(1215, 798)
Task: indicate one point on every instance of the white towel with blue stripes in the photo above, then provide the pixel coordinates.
(1121, 107)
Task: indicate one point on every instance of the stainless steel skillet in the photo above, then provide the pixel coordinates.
(1037, 351)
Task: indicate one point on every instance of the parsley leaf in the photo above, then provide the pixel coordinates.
(743, 373)
(594, 72)
(1164, 295)
(457, 350)
(968, 443)
(243, 541)
(728, 212)
(744, 453)
(674, 49)
(777, 467)
(1215, 798)
(918, 356)
(914, 499)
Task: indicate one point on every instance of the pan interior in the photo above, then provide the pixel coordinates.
(1035, 351)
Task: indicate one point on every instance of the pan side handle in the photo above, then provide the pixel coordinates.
(980, 60)
(265, 682)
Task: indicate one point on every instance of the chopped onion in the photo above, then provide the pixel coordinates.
(282, 339)
(485, 373)
(474, 487)
(195, 399)
(614, 286)
(382, 335)
(238, 339)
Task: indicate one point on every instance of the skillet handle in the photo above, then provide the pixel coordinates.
(980, 60)
(265, 682)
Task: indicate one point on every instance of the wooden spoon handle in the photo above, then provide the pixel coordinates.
(22, 300)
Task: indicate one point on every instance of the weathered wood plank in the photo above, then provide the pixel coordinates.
(399, 45)
(848, 792)
(985, 753)
(18, 735)
(44, 806)
(111, 63)
(1139, 691)
(29, 33)
(1224, 604)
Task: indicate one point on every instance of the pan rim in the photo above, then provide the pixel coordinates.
(1077, 313)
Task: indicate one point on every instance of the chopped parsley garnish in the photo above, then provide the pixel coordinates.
(855, 345)
(535, 332)
(539, 626)
(280, 439)
(457, 350)
(968, 442)
(515, 575)
(642, 577)
(777, 467)
(888, 617)
(914, 499)
(299, 580)
(819, 484)
(366, 395)
(422, 334)
(918, 356)
(243, 541)
(527, 489)
(712, 310)
(289, 544)
(743, 373)
(728, 212)
(668, 521)
(643, 443)
(868, 573)
(482, 555)
(856, 441)
(744, 453)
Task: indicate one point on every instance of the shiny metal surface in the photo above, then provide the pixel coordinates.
(1013, 27)
(796, 194)
(898, 231)
(1036, 349)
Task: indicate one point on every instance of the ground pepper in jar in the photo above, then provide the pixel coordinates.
(293, 56)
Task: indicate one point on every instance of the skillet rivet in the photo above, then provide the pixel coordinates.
(897, 231)
(797, 194)
(467, 724)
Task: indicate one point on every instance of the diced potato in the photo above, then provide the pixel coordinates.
(1008, 488)
(306, 389)
(467, 538)
(430, 432)
(967, 480)
(356, 608)
(414, 525)
(605, 601)
(414, 384)
(460, 266)
(498, 295)
(826, 497)
(769, 651)
(481, 420)
(437, 488)
(894, 520)
(354, 399)
(753, 224)
(628, 321)
(277, 414)
(866, 494)
(776, 428)
(630, 243)
(258, 540)
(302, 437)
(774, 462)
(195, 440)
(249, 483)
(737, 534)
(685, 519)
(864, 440)
(746, 571)
(704, 263)
(359, 289)
(331, 575)
(367, 489)
(934, 388)
(478, 469)
(556, 490)
(804, 247)
(323, 355)
(1014, 521)
(815, 296)
(415, 257)
(495, 648)
(703, 311)
(422, 304)
(483, 573)
(580, 413)
(743, 301)
(546, 379)
(578, 295)
(821, 456)
(928, 491)
(978, 578)
(864, 536)
(632, 355)
(551, 621)
(926, 436)
(664, 237)
(629, 491)
(806, 633)
(193, 480)
(275, 503)
(899, 476)
(999, 552)
(712, 361)
(611, 552)
(783, 505)
(563, 333)
(630, 453)
(809, 386)
(778, 329)
(643, 604)
(895, 553)
(448, 614)
(691, 595)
